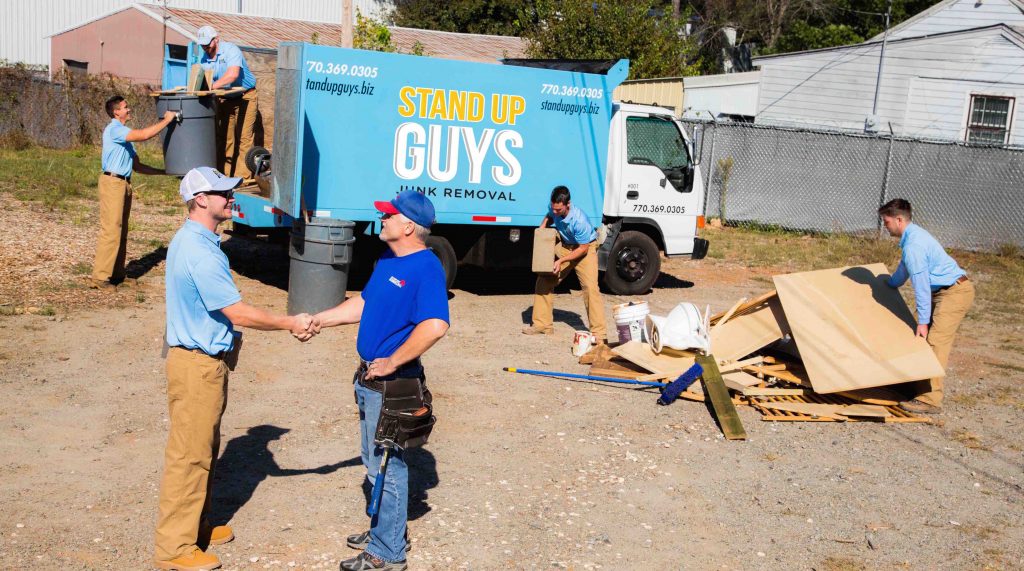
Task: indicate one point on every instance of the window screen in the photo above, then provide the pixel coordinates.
(989, 121)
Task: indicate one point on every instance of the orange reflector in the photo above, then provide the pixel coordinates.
(700, 221)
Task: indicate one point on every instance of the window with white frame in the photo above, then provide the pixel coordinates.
(989, 121)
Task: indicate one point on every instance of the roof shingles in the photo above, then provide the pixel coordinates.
(260, 32)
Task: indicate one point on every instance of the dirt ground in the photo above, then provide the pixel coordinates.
(521, 472)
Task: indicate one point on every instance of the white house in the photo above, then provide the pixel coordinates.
(726, 96)
(954, 72)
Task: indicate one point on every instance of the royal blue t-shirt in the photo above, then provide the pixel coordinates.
(402, 292)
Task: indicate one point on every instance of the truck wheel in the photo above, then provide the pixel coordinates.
(442, 248)
(633, 265)
(251, 156)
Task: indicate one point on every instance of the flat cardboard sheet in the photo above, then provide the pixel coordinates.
(853, 330)
(642, 354)
(742, 335)
(544, 250)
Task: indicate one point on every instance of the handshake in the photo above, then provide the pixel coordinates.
(304, 326)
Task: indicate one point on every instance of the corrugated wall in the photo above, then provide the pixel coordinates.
(664, 92)
(25, 25)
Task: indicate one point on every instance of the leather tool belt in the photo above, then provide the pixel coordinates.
(406, 415)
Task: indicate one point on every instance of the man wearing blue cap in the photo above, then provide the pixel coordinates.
(402, 312)
(236, 113)
(203, 308)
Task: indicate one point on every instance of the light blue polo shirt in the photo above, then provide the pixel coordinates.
(118, 153)
(575, 228)
(199, 285)
(927, 265)
(229, 55)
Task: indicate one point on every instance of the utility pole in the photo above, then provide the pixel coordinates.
(346, 23)
(871, 124)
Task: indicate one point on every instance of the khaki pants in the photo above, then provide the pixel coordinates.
(196, 396)
(949, 306)
(236, 129)
(112, 242)
(586, 271)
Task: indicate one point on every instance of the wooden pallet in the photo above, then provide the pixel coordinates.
(898, 415)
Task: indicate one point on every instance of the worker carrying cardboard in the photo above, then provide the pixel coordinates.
(236, 112)
(942, 294)
(576, 251)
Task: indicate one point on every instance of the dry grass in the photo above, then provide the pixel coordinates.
(969, 439)
(835, 563)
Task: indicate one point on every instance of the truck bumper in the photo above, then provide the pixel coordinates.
(700, 248)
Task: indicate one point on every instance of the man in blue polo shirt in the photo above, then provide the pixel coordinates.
(942, 294)
(236, 113)
(402, 312)
(203, 309)
(115, 190)
(576, 251)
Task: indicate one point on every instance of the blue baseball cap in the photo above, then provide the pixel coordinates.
(411, 204)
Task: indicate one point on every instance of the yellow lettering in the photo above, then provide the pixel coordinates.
(518, 108)
(476, 106)
(407, 108)
(424, 93)
(499, 112)
(457, 105)
(438, 108)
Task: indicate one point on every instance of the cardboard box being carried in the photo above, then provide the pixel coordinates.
(544, 250)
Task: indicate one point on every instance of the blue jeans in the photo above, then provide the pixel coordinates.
(387, 528)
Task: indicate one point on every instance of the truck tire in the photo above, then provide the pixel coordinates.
(633, 264)
(442, 248)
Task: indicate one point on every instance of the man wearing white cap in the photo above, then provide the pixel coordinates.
(203, 308)
(236, 113)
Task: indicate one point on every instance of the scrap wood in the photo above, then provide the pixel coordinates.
(773, 392)
(745, 334)
(813, 409)
(721, 403)
(642, 354)
(739, 381)
(853, 331)
(781, 375)
(762, 404)
(744, 307)
(876, 395)
(729, 313)
(726, 366)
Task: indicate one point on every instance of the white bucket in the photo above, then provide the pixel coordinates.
(629, 320)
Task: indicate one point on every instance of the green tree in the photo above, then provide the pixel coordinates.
(497, 17)
(370, 34)
(640, 30)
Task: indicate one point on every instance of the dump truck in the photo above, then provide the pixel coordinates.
(486, 143)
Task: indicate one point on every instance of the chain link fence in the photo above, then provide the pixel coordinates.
(828, 181)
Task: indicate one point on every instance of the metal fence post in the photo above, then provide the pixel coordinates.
(885, 184)
(711, 165)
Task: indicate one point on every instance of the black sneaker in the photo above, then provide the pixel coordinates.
(361, 540)
(366, 562)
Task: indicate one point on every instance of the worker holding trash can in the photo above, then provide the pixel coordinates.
(236, 112)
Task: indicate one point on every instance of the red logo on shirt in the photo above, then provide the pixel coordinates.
(396, 281)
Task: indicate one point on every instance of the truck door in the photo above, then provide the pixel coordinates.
(659, 181)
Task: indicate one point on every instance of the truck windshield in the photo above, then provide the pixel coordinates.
(650, 140)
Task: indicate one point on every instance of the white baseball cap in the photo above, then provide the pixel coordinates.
(205, 179)
(205, 35)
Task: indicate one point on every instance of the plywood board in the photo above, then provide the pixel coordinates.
(721, 403)
(641, 354)
(812, 409)
(853, 330)
(738, 380)
(865, 410)
(744, 334)
(544, 250)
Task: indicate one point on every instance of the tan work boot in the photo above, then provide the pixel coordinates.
(103, 285)
(531, 330)
(198, 560)
(215, 534)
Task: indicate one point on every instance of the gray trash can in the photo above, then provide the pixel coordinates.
(321, 253)
(193, 141)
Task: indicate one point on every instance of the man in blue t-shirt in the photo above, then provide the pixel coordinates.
(115, 190)
(942, 294)
(203, 309)
(576, 251)
(236, 112)
(402, 311)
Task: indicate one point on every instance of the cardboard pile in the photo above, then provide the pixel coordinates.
(836, 337)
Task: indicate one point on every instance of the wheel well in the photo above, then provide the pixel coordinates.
(648, 228)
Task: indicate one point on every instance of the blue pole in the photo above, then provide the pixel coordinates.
(584, 377)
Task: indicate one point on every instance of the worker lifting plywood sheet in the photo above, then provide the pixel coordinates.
(853, 330)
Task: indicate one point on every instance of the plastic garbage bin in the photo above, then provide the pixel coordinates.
(321, 253)
(192, 141)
